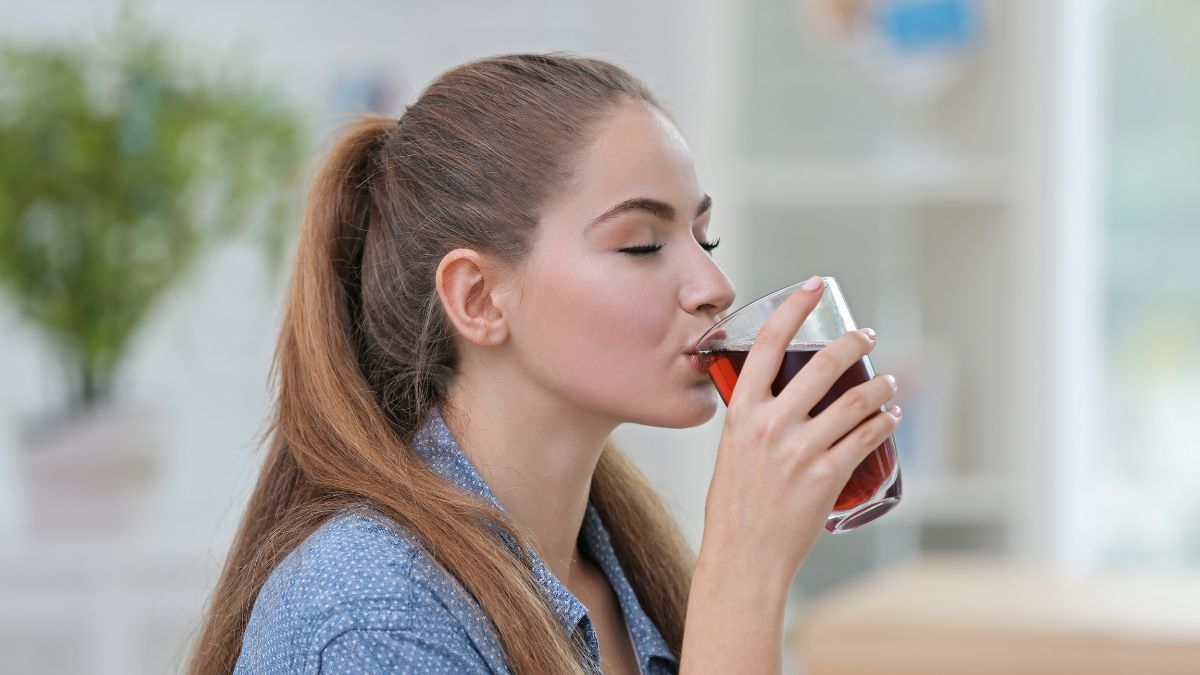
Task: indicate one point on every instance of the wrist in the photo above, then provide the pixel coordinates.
(751, 576)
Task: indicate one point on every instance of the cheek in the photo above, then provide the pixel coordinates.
(596, 333)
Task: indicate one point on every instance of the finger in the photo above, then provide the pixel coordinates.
(849, 452)
(770, 344)
(804, 391)
(849, 410)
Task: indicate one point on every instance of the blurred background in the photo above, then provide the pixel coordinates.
(1005, 191)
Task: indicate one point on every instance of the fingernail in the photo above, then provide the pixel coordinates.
(891, 380)
(895, 411)
(812, 284)
(869, 333)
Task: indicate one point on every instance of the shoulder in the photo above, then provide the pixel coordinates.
(351, 561)
(356, 588)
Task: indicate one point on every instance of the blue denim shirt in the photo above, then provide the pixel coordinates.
(355, 596)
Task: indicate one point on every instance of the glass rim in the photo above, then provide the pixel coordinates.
(786, 289)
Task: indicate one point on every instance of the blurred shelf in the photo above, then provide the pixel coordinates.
(125, 559)
(821, 181)
(953, 500)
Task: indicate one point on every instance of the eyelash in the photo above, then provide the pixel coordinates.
(654, 248)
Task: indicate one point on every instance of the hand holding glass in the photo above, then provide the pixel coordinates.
(874, 487)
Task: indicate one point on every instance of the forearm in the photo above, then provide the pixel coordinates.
(735, 616)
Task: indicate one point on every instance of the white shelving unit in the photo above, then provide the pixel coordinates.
(799, 151)
(857, 181)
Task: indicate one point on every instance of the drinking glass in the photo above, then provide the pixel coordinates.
(874, 487)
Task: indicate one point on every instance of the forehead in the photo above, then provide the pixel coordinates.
(634, 152)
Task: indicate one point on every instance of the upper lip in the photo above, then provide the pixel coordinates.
(695, 345)
(692, 348)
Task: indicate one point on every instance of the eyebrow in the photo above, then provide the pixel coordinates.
(655, 207)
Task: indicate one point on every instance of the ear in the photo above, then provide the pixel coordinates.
(469, 285)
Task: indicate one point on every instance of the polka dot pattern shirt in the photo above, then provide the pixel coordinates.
(356, 597)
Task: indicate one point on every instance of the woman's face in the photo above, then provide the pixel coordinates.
(605, 328)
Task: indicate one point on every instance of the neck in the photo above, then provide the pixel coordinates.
(537, 455)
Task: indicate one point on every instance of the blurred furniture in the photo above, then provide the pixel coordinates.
(99, 607)
(935, 216)
(970, 615)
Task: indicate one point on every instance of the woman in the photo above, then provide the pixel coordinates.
(484, 290)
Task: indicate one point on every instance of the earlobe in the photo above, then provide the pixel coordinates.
(466, 288)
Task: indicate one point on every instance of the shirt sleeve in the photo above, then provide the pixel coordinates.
(380, 650)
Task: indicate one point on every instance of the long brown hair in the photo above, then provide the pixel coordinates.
(365, 351)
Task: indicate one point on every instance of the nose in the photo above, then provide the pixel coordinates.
(711, 293)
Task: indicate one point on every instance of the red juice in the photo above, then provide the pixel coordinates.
(874, 471)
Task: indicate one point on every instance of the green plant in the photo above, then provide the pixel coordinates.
(119, 168)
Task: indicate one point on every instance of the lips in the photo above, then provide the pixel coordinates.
(695, 346)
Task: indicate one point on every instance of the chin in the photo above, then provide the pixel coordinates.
(681, 412)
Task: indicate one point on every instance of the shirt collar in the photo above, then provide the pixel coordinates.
(438, 448)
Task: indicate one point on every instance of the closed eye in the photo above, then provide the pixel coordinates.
(649, 249)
